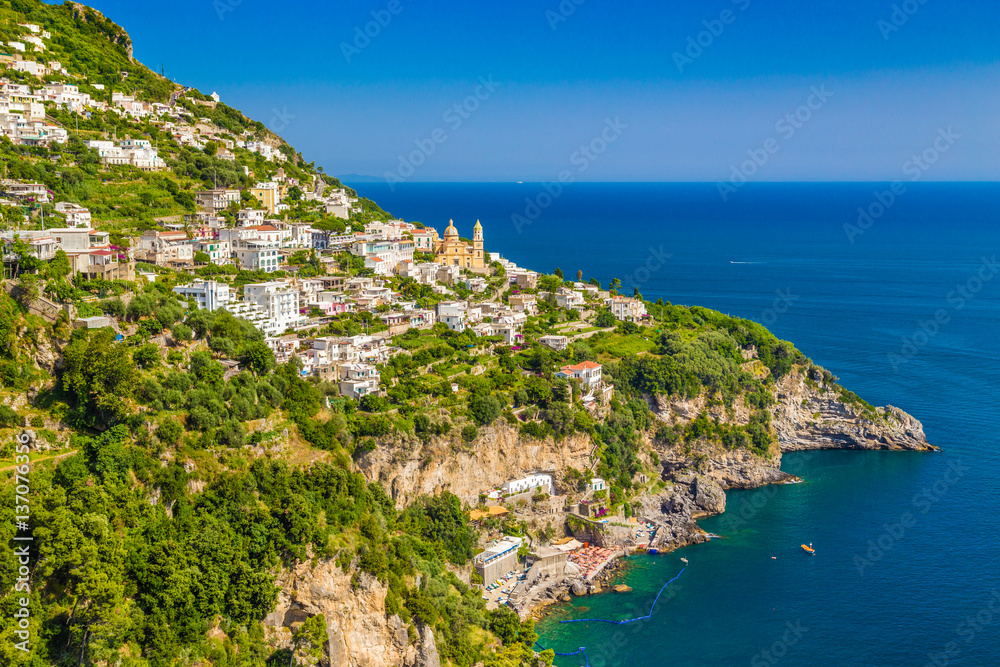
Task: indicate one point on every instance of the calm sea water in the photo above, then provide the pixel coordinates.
(907, 570)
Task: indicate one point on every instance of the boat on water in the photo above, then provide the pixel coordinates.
(808, 548)
(684, 560)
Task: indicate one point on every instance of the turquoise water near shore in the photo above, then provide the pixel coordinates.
(906, 571)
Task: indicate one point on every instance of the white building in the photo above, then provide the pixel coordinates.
(538, 483)
(452, 313)
(257, 255)
(626, 309)
(557, 343)
(388, 253)
(567, 298)
(358, 379)
(161, 247)
(250, 217)
(279, 300)
(499, 559)
(76, 215)
(218, 251)
(208, 294)
(588, 373)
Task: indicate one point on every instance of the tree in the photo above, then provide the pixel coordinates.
(169, 431)
(579, 276)
(202, 258)
(505, 624)
(147, 356)
(309, 640)
(231, 434)
(59, 267)
(101, 377)
(485, 409)
(558, 272)
(605, 319)
(258, 357)
(181, 332)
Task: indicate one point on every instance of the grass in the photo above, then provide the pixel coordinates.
(34, 457)
(619, 345)
(450, 371)
(424, 340)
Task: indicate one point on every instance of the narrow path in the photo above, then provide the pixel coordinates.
(47, 458)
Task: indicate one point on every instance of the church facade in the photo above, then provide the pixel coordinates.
(453, 251)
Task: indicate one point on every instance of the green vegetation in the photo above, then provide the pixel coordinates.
(190, 468)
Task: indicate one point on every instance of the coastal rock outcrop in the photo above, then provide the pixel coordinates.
(817, 417)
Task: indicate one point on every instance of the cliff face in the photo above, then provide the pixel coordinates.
(495, 457)
(811, 418)
(113, 32)
(808, 415)
(359, 633)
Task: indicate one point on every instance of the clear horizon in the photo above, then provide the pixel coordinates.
(829, 92)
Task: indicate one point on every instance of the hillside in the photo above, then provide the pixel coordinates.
(275, 481)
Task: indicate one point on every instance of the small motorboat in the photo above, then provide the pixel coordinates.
(808, 548)
(684, 560)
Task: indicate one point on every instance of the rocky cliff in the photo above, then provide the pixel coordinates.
(809, 415)
(359, 632)
(499, 454)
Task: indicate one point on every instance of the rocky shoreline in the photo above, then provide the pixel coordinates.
(807, 415)
(805, 419)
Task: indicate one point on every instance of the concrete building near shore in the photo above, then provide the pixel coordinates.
(498, 560)
(547, 560)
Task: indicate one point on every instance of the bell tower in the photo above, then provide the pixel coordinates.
(477, 246)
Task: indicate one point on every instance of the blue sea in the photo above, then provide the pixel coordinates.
(903, 305)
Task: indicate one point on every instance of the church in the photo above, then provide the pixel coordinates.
(452, 251)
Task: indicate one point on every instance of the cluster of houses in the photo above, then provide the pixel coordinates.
(90, 251)
(136, 152)
(22, 114)
(280, 307)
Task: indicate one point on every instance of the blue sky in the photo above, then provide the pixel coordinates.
(891, 74)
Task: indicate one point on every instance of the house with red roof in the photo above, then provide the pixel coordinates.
(587, 372)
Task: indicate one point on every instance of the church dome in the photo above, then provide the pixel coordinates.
(451, 231)
(478, 227)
